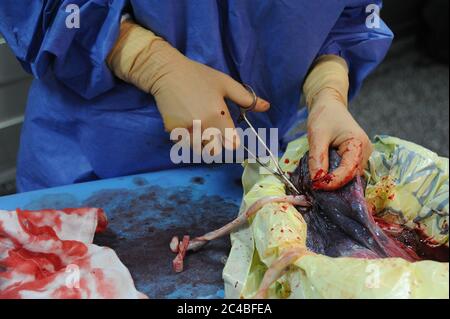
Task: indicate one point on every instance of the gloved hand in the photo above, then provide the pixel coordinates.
(184, 90)
(331, 124)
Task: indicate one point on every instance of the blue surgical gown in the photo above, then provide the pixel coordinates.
(82, 123)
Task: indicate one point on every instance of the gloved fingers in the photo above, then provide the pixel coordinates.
(223, 122)
(237, 93)
(318, 155)
(351, 152)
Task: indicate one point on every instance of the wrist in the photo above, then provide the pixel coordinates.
(327, 97)
(329, 75)
(162, 62)
(142, 58)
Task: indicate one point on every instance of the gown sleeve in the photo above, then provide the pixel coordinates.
(45, 37)
(360, 40)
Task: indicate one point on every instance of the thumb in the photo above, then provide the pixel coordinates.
(237, 93)
(318, 156)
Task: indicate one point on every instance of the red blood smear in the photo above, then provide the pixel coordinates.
(36, 217)
(411, 252)
(102, 221)
(71, 248)
(392, 246)
(37, 285)
(323, 181)
(105, 289)
(327, 178)
(44, 232)
(74, 248)
(64, 292)
(319, 175)
(42, 217)
(39, 265)
(429, 248)
(388, 228)
(43, 266)
(414, 241)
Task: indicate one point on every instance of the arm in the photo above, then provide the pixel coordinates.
(351, 51)
(331, 124)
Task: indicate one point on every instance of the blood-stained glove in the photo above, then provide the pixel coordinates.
(184, 90)
(330, 124)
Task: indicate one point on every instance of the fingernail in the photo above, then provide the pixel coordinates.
(263, 104)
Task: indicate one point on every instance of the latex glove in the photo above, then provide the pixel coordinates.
(184, 90)
(330, 124)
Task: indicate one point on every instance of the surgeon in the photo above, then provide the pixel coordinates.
(114, 77)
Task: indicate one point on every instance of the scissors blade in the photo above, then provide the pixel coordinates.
(278, 173)
(290, 185)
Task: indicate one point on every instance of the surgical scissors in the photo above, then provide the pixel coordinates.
(278, 171)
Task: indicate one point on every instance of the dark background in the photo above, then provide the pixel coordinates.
(408, 95)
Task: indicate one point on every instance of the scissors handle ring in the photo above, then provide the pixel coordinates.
(254, 96)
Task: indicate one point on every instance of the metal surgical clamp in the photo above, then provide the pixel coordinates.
(278, 172)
